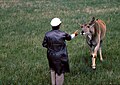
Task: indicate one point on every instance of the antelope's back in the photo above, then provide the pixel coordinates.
(102, 26)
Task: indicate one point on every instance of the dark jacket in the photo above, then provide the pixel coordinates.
(57, 55)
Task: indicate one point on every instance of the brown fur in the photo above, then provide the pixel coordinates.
(95, 33)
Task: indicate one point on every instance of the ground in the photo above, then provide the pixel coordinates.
(23, 24)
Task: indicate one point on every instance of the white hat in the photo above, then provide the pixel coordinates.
(55, 22)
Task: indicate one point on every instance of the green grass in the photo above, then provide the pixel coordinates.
(23, 23)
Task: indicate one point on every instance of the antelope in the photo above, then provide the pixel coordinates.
(94, 32)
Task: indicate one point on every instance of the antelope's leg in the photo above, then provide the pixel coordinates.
(93, 61)
(91, 50)
(94, 55)
(100, 51)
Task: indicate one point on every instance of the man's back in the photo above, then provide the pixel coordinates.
(56, 40)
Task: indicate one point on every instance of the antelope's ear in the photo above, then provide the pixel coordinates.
(85, 24)
(92, 21)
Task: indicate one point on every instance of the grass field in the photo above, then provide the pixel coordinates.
(23, 24)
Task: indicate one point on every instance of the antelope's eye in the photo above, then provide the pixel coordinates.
(81, 26)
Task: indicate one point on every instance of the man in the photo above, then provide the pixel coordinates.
(57, 55)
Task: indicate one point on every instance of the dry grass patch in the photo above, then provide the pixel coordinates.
(8, 4)
(92, 10)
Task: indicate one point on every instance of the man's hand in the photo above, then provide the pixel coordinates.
(76, 33)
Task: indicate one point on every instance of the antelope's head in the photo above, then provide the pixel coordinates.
(88, 29)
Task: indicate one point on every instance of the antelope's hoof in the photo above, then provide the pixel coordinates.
(101, 60)
(94, 67)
